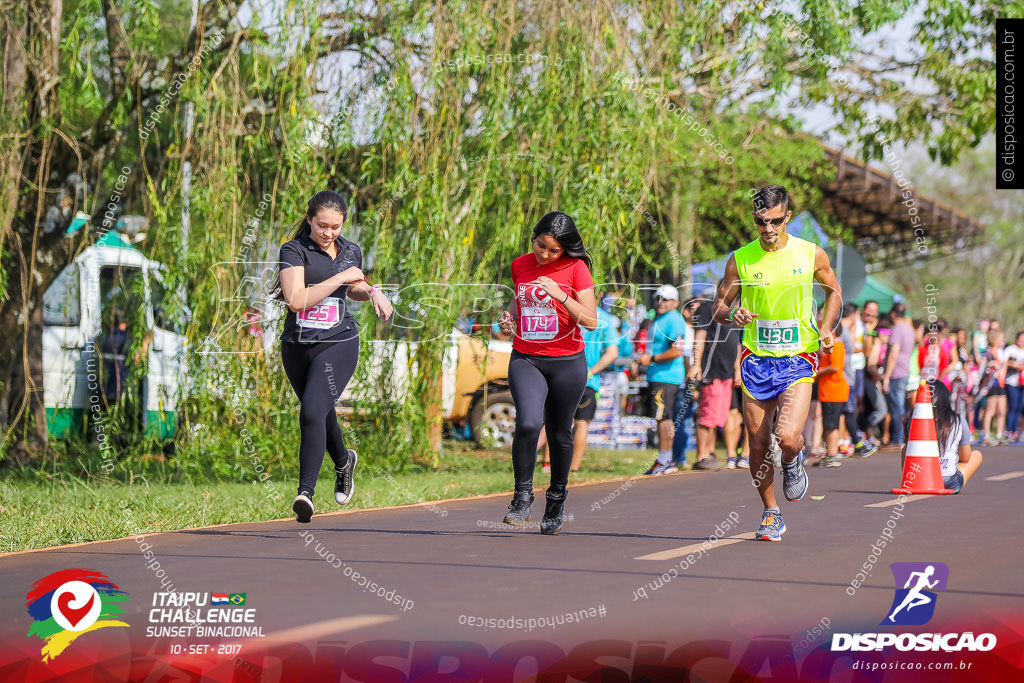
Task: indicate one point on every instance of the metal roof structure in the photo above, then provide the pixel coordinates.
(870, 202)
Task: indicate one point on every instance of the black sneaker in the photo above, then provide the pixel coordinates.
(344, 481)
(708, 463)
(519, 509)
(302, 506)
(553, 519)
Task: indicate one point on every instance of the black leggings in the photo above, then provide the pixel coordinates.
(546, 391)
(318, 373)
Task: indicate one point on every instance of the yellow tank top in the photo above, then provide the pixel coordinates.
(776, 285)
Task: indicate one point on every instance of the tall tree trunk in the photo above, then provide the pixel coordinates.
(33, 247)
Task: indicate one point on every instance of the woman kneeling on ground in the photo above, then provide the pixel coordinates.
(957, 460)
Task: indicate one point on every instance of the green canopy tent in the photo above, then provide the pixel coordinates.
(874, 290)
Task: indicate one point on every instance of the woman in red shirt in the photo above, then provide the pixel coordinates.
(553, 296)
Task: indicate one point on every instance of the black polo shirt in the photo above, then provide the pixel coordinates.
(330, 320)
(720, 346)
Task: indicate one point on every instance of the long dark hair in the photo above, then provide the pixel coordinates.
(942, 409)
(563, 228)
(324, 199)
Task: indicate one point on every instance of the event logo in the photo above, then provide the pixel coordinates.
(914, 603)
(70, 603)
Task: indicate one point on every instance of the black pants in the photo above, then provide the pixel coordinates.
(319, 373)
(546, 391)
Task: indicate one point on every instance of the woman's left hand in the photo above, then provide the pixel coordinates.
(551, 287)
(381, 304)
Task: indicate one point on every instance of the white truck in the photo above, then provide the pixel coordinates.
(109, 273)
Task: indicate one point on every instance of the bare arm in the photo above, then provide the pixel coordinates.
(890, 361)
(695, 371)
(583, 308)
(299, 296)
(364, 291)
(826, 277)
(727, 292)
(606, 359)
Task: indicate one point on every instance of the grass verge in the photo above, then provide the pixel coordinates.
(66, 509)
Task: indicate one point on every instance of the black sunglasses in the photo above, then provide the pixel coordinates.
(774, 221)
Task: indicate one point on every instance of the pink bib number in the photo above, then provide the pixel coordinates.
(539, 323)
(323, 316)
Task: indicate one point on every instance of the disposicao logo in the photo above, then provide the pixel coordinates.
(913, 605)
(70, 603)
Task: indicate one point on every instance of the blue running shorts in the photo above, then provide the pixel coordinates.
(764, 378)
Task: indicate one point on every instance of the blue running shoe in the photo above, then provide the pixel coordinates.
(772, 527)
(657, 469)
(743, 463)
(794, 478)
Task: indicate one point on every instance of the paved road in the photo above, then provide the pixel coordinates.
(633, 584)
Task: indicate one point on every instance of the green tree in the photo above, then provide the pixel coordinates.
(649, 123)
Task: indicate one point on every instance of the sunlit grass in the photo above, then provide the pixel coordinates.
(37, 512)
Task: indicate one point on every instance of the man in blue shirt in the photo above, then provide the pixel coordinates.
(600, 348)
(665, 372)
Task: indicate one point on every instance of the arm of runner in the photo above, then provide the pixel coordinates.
(583, 308)
(728, 290)
(826, 277)
(299, 296)
(736, 379)
(507, 321)
(364, 291)
(694, 373)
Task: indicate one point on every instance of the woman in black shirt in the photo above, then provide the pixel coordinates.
(320, 344)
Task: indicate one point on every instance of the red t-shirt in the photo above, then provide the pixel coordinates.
(940, 358)
(545, 327)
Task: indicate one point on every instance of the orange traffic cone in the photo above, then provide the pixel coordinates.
(921, 470)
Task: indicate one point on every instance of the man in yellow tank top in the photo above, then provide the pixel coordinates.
(772, 277)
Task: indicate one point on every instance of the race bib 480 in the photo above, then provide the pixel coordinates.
(323, 316)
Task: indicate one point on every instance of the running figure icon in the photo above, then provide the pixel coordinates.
(915, 597)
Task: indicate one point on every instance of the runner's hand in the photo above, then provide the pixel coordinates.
(742, 317)
(381, 305)
(352, 274)
(828, 340)
(551, 287)
(506, 324)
